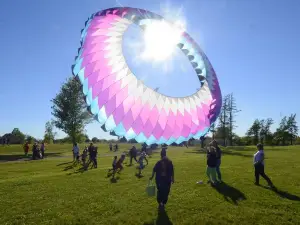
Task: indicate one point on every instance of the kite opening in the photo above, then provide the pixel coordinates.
(164, 76)
(161, 39)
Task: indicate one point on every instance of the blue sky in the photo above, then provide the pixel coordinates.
(253, 46)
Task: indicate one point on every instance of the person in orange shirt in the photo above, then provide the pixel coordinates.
(26, 148)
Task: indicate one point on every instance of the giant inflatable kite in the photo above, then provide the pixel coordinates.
(126, 107)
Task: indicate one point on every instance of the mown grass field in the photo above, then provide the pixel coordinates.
(51, 191)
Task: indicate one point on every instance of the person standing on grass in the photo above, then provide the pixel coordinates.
(110, 146)
(259, 165)
(93, 151)
(164, 172)
(26, 148)
(211, 165)
(214, 143)
(43, 149)
(75, 152)
(132, 154)
(35, 149)
(84, 156)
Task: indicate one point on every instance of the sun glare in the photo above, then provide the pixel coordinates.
(161, 39)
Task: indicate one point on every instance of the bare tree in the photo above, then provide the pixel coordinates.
(232, 112)
(224, 119)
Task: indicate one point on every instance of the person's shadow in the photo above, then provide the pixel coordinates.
(230, 193)
(162, 219)
(284, 194)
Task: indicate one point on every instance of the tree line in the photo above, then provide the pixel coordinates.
(259, 132)
(70, 114)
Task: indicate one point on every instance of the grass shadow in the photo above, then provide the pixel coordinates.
(235, 153)
(230, 193)
(18, 157)
(162, 219)
(283, 194)
(114, 180)
(197, 152)
(139, 176)
(61, 164)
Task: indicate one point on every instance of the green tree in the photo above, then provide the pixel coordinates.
(254, 131)
(69, 110)
(292, 128)
(265, 133)
(95, 140)
(49, 133)
(30, 139)
(297, 142)
(19, 136)
(287, 130)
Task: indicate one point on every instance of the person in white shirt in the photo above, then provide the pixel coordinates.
(75, 152)
(259, 165)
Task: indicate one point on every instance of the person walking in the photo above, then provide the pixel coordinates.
(132, 154)
(26, 148)
(211, 165)
(214, 143)
(43, 149)
(164, 177)
(75, 152)
(93, 151)
(259, 165)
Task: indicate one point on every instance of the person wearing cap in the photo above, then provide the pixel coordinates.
(214, 143)
(164, 172)
(259, 165)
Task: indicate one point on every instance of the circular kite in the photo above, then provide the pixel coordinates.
(126, 107)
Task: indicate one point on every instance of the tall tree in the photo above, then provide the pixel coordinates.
(224, 119)
(265, 133)
(281, 134)
(254, 131)
(292, 128)
(18, 136)
(69, 110)
(49, 132)
(232, 112)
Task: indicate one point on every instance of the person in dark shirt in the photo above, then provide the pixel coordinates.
(211, 165)
(219, 155)
(164, 172)
(35, 151)
(132, 154)
(93, 155)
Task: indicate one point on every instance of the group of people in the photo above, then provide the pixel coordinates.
(38, 151)
(91, 151)
(164, 171)
(213, 172)
(116, 147)
(133, 152)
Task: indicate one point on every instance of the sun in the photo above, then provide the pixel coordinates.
(161, 39)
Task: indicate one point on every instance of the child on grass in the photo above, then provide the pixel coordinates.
(119, 165)
(114, 164)
(211, 165)
(84, 156)
(141, 163)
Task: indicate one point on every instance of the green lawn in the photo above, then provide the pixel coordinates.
(50, 191)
